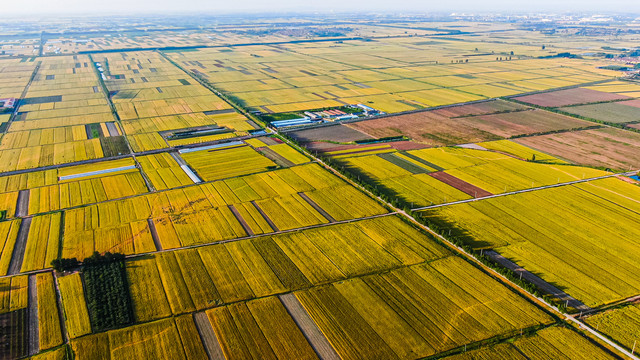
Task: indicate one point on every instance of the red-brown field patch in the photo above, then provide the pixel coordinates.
(459, 184)
(608, 147)
(569, 97)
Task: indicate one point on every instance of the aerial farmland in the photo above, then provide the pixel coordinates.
(320, 186)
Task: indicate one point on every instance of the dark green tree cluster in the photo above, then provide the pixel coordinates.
(65, 264)
(107, 291)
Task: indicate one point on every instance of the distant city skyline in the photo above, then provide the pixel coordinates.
(199, 6)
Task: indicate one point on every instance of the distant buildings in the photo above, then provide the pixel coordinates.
(314, 117)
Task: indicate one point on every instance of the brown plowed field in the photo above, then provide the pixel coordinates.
(608, 147)
(437, 130)
(338, 133)
(459, 184)
(569, 97)
(489, 107)
(523, 122)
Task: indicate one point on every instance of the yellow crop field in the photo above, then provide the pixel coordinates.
(144, 286)
(553, 342)
(259, 329)
(423, 190)
(146, 142)
(520, 151)
(159, 340)
(446, 311)
(289, 153)
(198, 279)
(59, 353)
(163, 171)
(468, 172)
(8, 203)
(621, 324)
(204, 139)
(48, 318)
(83, 192)
(8, 234)
(46, 155)
(13, 293)
(291, 212)
(75, 308)
(43, 242)
(592, 260)
(345, 202)
(220, 164)
(117, 226)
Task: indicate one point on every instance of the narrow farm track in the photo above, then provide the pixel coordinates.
(22, 207)
(309, 328)
(530, 277)
(20, 247)
(154, 234)
(32, 317)
(524, 191)
(317, 207)
(208, 336)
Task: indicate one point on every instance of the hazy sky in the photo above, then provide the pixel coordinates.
(213, 6)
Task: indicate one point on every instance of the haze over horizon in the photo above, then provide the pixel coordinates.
(255, 6)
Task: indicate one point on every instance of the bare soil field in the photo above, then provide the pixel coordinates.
(607, 147)
(436, 130)
(339, 133)
(523, 122)
(489, 107)
(615, 112)
(322, 146)
(569, 97)
(424, 127)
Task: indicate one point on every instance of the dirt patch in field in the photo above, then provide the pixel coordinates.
(459, 184)
(523, 122)
(339, 133)
(13, 334)
(489, 107)
(407, 145)
(608, 147)
(569, 97)
(432, 129)
(426, 127)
